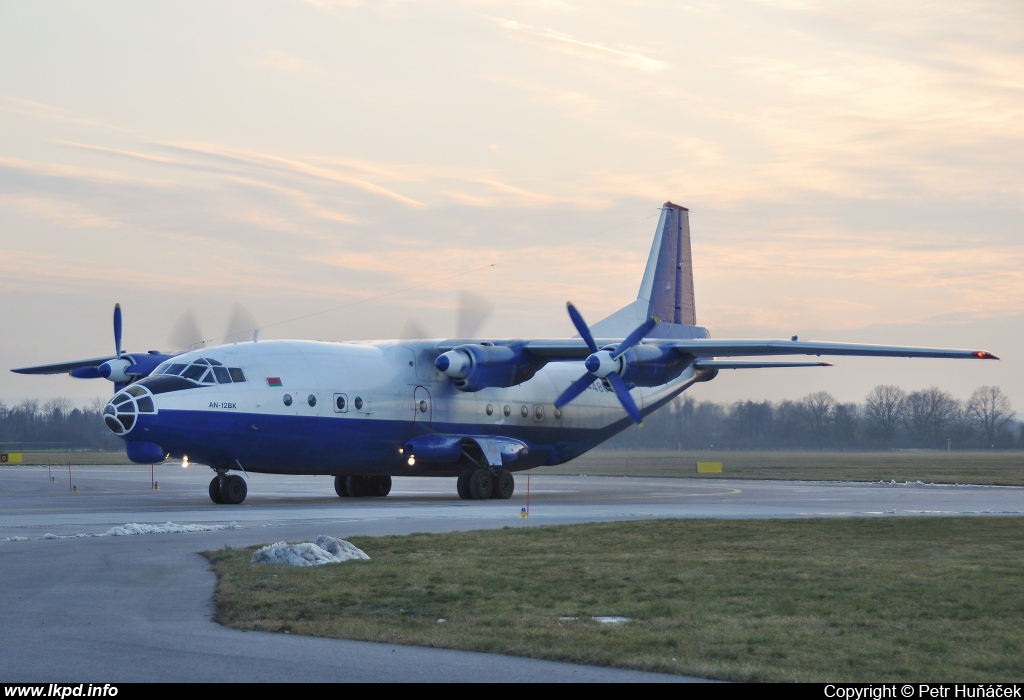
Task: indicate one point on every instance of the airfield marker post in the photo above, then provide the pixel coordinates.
(70, 485)
(527, 495)
(152, 477)
(49, 474)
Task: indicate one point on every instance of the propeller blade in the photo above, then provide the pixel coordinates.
(241, 324)
(412, 330)
(117, 329)
(575, 389)
(624, 398)
(581, 326)
(185, 332)
(636, 336)
(474, 311)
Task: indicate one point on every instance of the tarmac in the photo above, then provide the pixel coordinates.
(77, 607)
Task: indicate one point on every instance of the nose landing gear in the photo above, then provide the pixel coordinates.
(228, 488)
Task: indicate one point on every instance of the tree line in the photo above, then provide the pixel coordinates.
(888, 418)
(54, 425)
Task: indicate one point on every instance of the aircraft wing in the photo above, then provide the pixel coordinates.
(724, 364)
(568, 349)
(64, 367)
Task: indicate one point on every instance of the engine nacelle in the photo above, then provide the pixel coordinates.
(474, 367)
(651, 365)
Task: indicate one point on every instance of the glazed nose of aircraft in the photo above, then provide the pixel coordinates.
(123, 410)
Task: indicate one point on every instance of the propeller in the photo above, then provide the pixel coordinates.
(117, 329)
(472, 313)
(186, 333)
(605, 364)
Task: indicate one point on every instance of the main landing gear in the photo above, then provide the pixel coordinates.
(228, 488)
(483, 483)
(362, 486)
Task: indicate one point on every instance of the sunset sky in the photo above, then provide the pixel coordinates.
(854, 170)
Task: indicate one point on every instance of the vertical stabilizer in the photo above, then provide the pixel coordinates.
(668, 280)
(667, 287)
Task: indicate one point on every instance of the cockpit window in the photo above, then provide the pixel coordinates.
(175, 369)
(236, 374)
(194, 372)
(208, 378)
(222, 374)
(213, 362)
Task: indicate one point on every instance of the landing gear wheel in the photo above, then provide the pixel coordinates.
(215, 491)
(463, 484)
(354, 486)
(367, 486)
(381, 486)
(504, 484)
(233, 489)
(481, 484)
(340, 487)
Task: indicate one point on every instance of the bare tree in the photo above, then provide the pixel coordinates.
(990, 410)
(885, 408)
(930, 412)
(818, 409)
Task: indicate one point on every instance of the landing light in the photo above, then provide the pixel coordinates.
(412, 460)
(184, 462)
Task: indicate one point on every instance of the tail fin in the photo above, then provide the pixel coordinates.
(667, 287)
(668, 279)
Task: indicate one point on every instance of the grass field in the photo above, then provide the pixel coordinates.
(76, 458)
(1005, 468)
(895, 599)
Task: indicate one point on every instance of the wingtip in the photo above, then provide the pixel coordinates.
(984, 355)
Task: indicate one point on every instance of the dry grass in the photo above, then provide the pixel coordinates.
(1005, 468)
(802, 600)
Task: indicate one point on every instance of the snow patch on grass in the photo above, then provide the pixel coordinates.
(326, 550)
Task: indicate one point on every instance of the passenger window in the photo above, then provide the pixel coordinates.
(236, 374)
(222, 375)
(341, 403)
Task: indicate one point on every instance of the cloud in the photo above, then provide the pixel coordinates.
(566, 43)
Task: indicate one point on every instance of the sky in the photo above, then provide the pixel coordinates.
(854, 171)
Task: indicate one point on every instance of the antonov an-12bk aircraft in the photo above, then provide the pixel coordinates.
(476, 409)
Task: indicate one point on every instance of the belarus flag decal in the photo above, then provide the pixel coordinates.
(273, 381)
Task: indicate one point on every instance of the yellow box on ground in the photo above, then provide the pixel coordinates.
(12, 457)
(709, 467)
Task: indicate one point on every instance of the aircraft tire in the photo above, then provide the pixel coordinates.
(504, 484)
(463, 484)
(233, 489)
(380, 486)
(215, 491)
(481, 484)
(340, 486)
(356, 486)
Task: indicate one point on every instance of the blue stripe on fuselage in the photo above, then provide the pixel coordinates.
(321, 445)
